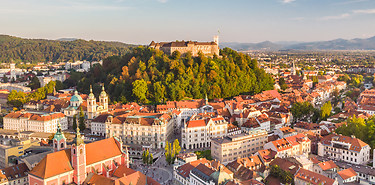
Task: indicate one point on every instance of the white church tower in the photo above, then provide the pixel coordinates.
(103, 99)
(91, 105)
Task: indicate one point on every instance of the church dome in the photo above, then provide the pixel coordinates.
(76, 97)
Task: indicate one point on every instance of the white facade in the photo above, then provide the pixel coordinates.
(35, 122)
(198, 133)
(345, 151)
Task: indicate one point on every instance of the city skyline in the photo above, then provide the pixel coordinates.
(139, 22)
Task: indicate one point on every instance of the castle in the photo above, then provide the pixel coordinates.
(207, 48)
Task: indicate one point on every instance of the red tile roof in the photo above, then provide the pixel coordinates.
(356, 144)
(327, 165)
(196, 123)
(53, 164)
(313, 178)
(347, 173)
(60, 162)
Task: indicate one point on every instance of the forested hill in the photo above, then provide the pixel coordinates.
(39, 50)
(149, 76)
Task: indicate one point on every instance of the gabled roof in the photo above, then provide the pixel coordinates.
(356, 144)
(60, 162)
(108, 148)
(327, 165)
(53, 164)
(313, 178)
(347, 173)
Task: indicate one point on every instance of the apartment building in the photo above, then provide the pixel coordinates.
(35, 121)
(198, 131)
(344, 148)
(14, 175)
(229, 148)
(145, 129)
(290, 146)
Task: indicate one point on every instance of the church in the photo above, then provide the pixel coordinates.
(207, 48)
(90, 106)
(82, 161)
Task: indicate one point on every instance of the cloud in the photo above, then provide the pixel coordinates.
(287, 1)
(336, 17)
(364, 11)
(350, 14)
(162, 1)
(350, 2)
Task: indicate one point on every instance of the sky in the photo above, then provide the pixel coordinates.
(141, 21)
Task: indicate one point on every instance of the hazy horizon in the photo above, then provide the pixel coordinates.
(141, 21)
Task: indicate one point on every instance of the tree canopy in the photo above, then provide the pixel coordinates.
(360, 128)
(18, 98)
(39, 50)
(149, 75)
(325, 111)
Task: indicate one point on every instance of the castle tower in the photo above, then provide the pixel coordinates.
(103, 99)
(216, 39)
(59, 140)
(91, 105)
(78, 159)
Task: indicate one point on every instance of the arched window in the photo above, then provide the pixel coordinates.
(80, 151)
(62, 145)
(74, 151)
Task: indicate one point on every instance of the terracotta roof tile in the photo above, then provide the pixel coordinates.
(347, 173)
(327, 165)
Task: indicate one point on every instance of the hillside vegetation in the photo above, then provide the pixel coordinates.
(149, 76)
(38, 50)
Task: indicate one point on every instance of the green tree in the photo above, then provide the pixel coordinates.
(282, 84)
(159, 90)
(140, 90)
(35, 83)
(302, 111)
(325, 111)
(176, 147)
(360, 128)
(75, 122)
(150, 159)
(81, 120)
(59, 85)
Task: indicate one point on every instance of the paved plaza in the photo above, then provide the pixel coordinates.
(159, 170)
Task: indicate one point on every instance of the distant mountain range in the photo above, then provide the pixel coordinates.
(67, 39)
(338, 44)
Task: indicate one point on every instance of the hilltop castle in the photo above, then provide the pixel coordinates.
(207, 48)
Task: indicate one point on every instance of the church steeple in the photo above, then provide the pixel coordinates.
(103, 99)
(78, 157)
(59, 140)
(78, 139)
(91, 105)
